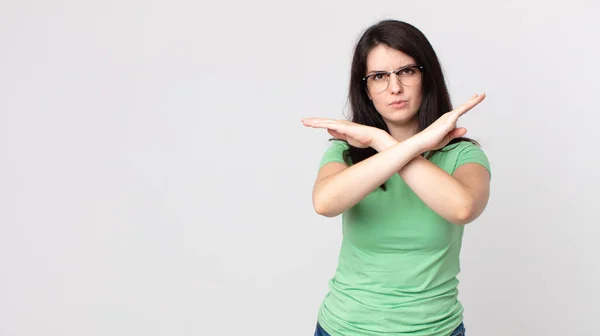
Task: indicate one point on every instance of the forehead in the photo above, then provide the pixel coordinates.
(385, 58)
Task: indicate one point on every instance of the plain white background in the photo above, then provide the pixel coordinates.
(156, 178)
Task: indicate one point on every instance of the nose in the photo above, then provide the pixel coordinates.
(394, 83)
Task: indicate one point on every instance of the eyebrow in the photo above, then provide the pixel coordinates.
(379, 71)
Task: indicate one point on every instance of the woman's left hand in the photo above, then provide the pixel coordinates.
(443, 130)
(356, 135)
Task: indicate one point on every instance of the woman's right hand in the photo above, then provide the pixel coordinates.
(444, 129)
(356, 135)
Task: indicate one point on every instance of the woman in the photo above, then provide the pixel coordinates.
(406, 182)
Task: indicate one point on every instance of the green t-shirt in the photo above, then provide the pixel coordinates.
(398, 261)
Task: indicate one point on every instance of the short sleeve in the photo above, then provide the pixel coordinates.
(471, 153)
(335, 153)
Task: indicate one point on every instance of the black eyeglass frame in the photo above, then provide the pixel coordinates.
(397, 71)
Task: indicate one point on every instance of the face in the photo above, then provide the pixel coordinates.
(398, 103)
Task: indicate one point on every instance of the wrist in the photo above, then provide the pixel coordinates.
(383, 141)
(419, 143)
(415, 145)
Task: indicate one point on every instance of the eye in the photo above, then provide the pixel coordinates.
(379, 77)
(408, 71)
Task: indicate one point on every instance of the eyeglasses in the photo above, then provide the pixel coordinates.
(407, 75)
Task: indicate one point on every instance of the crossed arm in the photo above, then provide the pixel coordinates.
(459, 198)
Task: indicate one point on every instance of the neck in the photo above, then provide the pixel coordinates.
(405, 131)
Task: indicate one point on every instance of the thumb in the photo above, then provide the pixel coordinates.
(336, 135)
(457, 132)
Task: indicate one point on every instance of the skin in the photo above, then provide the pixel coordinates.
(401, 122)
(459, 198)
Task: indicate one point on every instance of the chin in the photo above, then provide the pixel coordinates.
(399, 116)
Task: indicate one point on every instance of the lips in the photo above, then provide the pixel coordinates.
(398, 103)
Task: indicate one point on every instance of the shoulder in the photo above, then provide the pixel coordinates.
(334, 152)
(339, 144)
(454, 155)
(461, 146)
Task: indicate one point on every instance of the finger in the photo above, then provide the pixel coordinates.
(336, 135)
(457, 132)
(468, 105)
(312, 122)
(316, 119)
(328, 124)
(477, 97)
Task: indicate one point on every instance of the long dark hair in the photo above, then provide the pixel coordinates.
(411, 41)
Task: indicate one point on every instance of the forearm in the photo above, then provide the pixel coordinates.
(443, 193)
(341, 191)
